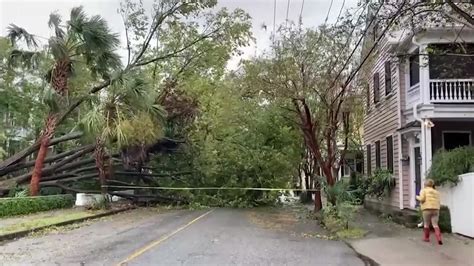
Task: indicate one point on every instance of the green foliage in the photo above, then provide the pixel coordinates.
(338, 193)
(351, 233)
(448, 165)
(380, 183)
(27, 205)
(358, 187)
(444, 221)
(235, 142)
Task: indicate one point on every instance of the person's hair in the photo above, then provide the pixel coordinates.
(429, 183)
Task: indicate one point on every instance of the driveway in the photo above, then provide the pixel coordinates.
(184, 237)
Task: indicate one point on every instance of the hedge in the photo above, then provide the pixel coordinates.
(27, 205)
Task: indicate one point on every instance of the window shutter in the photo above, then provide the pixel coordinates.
(390, 154)
(376, 88)
(369, 160)
(388, 77)
(377, 154)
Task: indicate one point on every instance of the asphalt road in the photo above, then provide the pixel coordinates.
(183, 237)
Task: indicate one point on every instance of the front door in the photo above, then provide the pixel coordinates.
(417, 172)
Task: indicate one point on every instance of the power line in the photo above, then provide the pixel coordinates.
(301, 11)
(274, 17)
(340, 11)
(287, 10)
(329, 11)
(349, 79)
(356, 46)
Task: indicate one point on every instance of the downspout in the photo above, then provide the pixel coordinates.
(423, 139)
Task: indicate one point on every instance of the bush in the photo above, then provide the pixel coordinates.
(26, 205)
(380, 184)
(358, 188)
(448, 165)
(339, 192)
(444, 219)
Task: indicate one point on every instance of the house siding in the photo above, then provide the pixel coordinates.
(382, 119)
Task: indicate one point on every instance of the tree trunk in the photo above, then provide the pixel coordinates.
(43, 151)
(318, 204)
(16, 158)
(100, 157)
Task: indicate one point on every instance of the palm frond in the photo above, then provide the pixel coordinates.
(93, 121)
(98, 36)
(51, 99)
(16, 34)
(58, 48)
(103, 63)
(55, 23)
(77, 19)
(158, 112)
(26, 59)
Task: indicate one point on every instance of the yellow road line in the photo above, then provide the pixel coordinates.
(161, 240)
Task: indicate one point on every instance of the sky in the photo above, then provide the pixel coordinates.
(33, 15)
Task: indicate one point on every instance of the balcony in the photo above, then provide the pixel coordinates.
(451, 90)
(439, 74)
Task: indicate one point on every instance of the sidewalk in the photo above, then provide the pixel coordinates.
(17, 226)
(388, 243)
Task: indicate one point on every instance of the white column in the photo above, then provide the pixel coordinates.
(400, 170)
(411, 144)
(424, 75)
(423, 150)
(428, 148)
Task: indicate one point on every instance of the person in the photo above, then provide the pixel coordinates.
(430, 205)
(420, 225)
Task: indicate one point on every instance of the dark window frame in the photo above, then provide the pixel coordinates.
(368, 99)
(389, 141)
(388, 77)
(414, 68)
(378, 164)
(369, 160)
(376, 86)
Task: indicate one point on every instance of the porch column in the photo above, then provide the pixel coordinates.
(411, 144)
(428, 149)
(424, 75)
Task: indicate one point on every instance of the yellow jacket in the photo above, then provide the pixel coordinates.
(429, 198)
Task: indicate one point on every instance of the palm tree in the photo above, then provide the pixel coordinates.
(128, 115)
(81, 39)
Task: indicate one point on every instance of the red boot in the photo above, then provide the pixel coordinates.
(438, 235)
(426, 234)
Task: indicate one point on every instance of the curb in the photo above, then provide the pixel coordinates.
(367, 261)
(23, 233)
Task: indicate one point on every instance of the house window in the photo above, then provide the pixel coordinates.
(453, 140)
(369, 160)
(376, 88)
(388, 77)
(377, 154)
(414, 68)
(368, 99)
(443, 57)
(390, 154)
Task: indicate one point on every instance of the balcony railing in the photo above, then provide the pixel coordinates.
(452, 90)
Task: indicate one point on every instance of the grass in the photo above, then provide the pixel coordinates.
(351, 233)
(45, 221)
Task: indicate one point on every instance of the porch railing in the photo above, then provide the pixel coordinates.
(452, 90)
